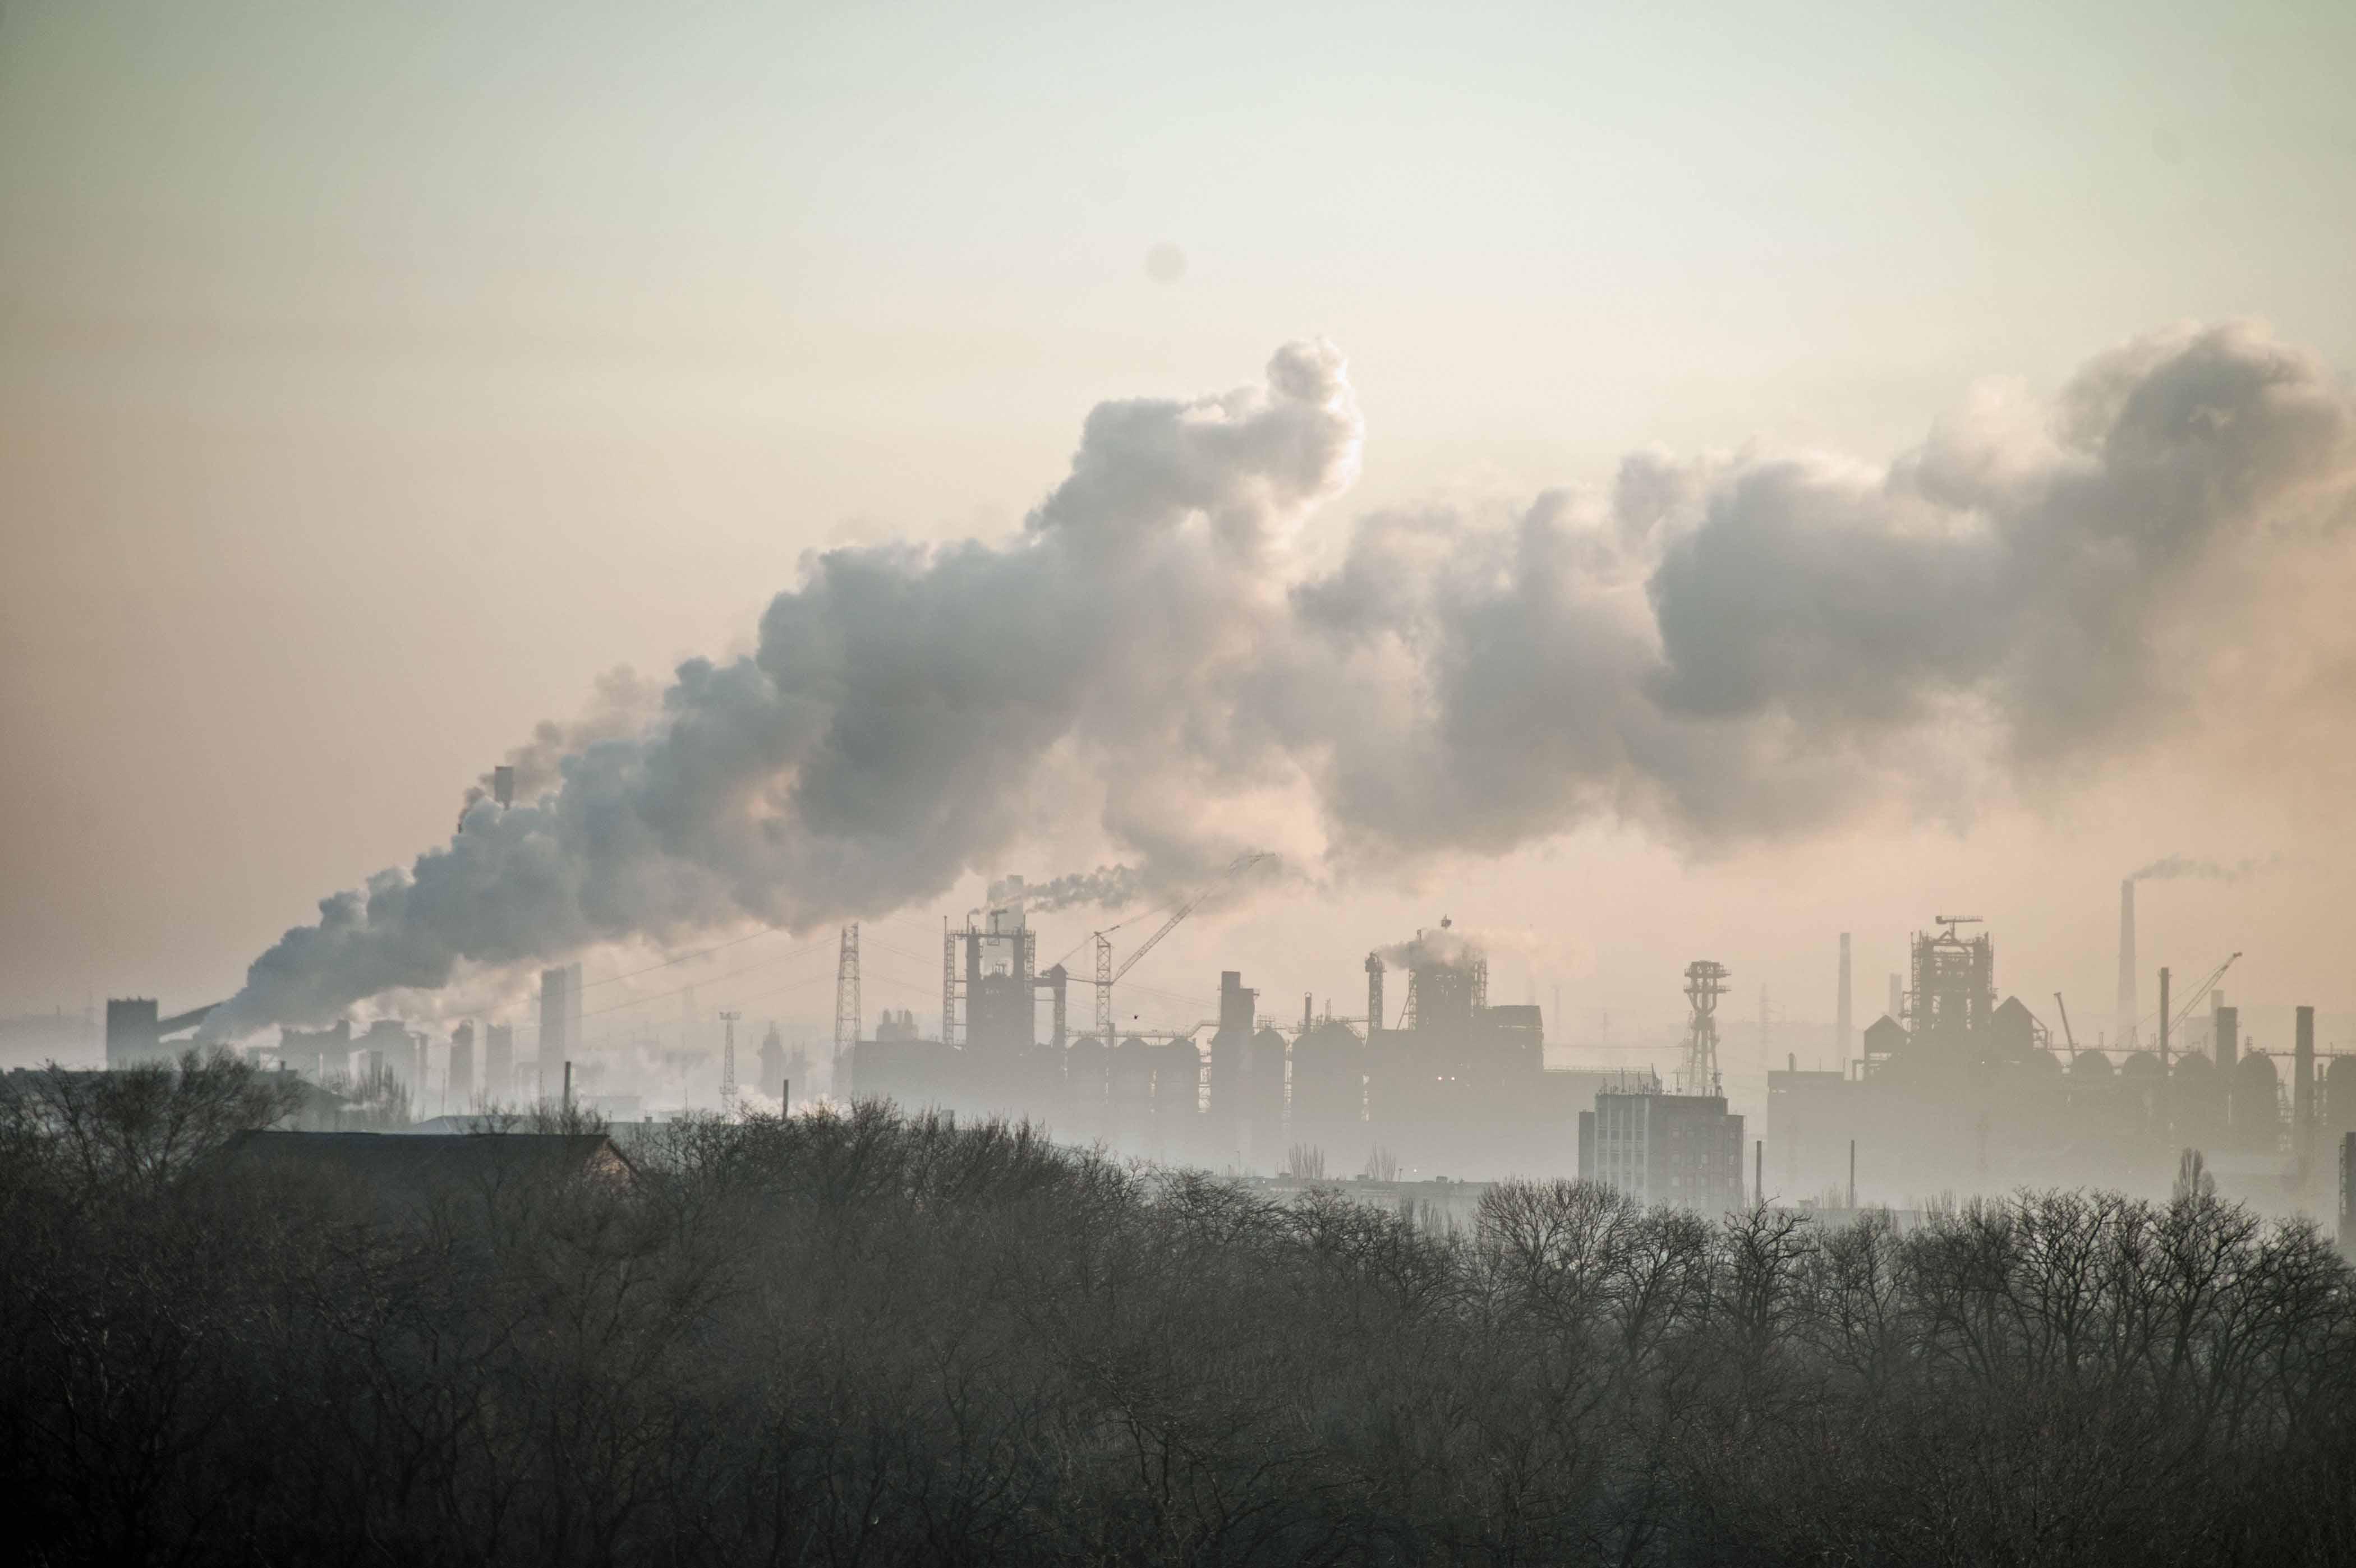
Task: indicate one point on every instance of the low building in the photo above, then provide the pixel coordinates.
(396, 1175)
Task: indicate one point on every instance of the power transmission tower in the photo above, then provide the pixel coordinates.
(846, 991)
(1104, 988)
(728, 1064)
(1705, 983)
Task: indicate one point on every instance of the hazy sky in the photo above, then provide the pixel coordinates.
(373, 378)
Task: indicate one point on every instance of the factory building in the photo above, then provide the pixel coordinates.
(2348, 1194)
(1458, 1087)
(990, 1059)
(389, 1050)
(317, 1054)
(1683, 1150)
(1452, 1085)
(1960, 1092)
(458, 1077)
(136, 1034)
(499, 1063)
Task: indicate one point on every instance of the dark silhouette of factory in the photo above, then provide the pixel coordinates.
(1954, 1091)
(1452, 1085)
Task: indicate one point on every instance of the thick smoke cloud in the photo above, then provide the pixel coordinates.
(622, 706)
(884, 737)
(1713, 649)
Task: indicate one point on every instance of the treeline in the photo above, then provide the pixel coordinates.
(877, 1339)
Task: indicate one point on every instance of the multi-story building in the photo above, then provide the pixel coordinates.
(1684, 1150)
(499, 1063)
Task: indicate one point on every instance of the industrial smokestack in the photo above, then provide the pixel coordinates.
(1846, 1028)
(2123, 1030)
(1896, 995)
(2302, 1092)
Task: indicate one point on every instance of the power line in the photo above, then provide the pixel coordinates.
(699, 952)
(749, 968)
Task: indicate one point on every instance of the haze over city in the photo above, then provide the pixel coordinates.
(1050, 784)
(377, 385)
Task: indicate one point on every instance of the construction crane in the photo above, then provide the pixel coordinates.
(2199, 991)
(2065, 1025)
(1107, 973)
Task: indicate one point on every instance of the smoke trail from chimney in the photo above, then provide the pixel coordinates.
(2173, 867)
(1756, 647)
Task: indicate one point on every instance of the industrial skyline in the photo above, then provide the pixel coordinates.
(1074, 784)
(1958, 1086)
(252, 669)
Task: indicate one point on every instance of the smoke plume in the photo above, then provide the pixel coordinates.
(1442, 943)
(2171, 868)
(1109, 886)
(1713, 649)
(622, 705)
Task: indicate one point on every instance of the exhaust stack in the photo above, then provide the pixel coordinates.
(2124, 1030)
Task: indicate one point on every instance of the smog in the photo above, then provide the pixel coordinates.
(1189, 786)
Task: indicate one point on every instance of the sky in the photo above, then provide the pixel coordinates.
(374, 380)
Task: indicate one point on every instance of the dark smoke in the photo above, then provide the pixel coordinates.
(1714, 650)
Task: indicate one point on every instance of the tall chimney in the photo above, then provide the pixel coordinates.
(2229, 1036)
(2302, 1092)
(2124, 1029)
(1846, 1028)
(1896, 995)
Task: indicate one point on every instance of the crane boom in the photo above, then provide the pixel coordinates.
(1242, 863)
(1107, 973)
(1164, 929)
(2065, 1024)
(2199, 991)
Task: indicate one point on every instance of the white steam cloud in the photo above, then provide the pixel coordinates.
(1109, 886)
(1715, 650)
(1436, 945)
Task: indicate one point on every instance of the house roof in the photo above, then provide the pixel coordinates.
(402, 1166)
